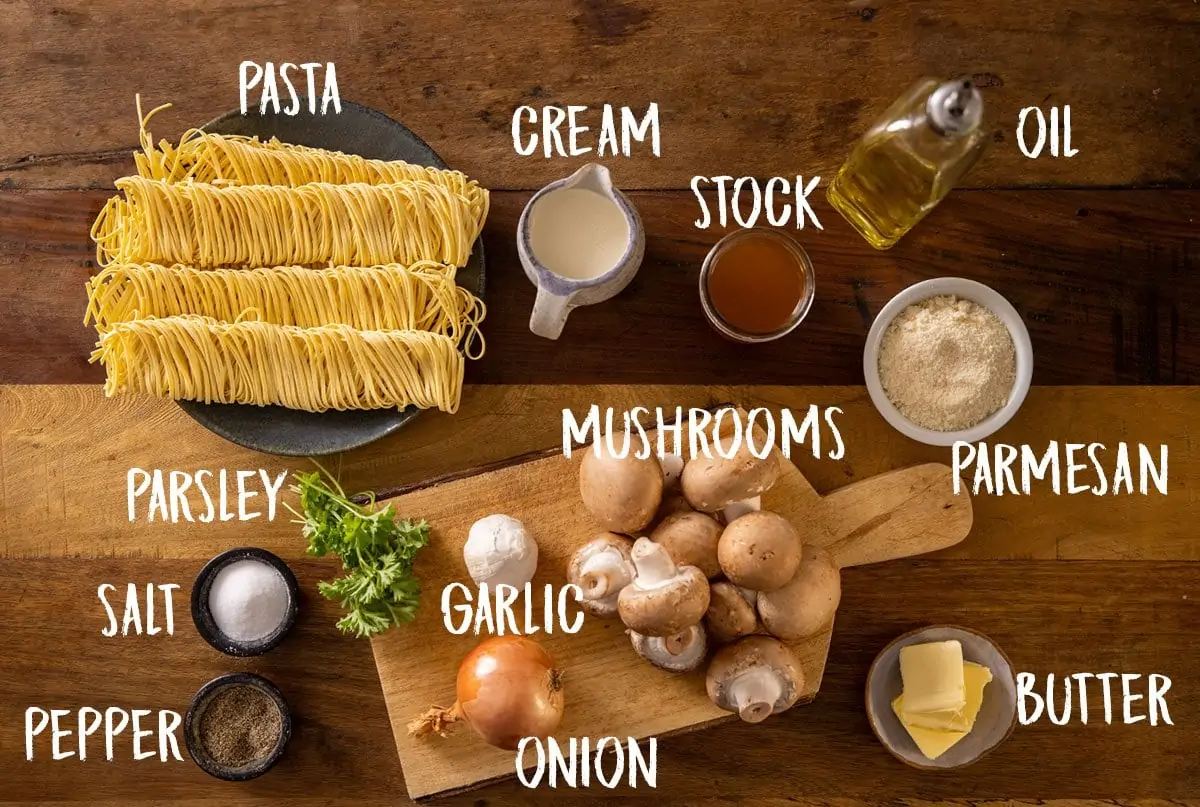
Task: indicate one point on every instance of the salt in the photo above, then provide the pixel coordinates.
(248, 600)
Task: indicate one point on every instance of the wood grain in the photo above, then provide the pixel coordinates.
(1137, 617)
(743, 88)
(1108, 283)
(620, 695)
(66, 451)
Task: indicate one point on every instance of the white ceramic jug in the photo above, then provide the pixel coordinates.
(557, 295)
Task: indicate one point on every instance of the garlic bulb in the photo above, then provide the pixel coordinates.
(500, 551)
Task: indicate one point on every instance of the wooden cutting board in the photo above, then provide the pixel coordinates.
(609, 691)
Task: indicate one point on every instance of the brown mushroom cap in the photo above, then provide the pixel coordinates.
(691, 538)
(682, 652)
(731, 614)
(755, 677)
(806, 605)
(621, 494)
(601, 568)
(760, 551)
(663, 599)
(711, 483)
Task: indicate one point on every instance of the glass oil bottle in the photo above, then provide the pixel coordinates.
(910, 159)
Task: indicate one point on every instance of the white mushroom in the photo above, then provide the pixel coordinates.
(683, 652)
(760, 551)
(691, 539)
(730, 512)
(806, 605)
(663, 599)
(622, 494)
(672, 468)
(601, 568)
(731, 614)
(499, 550)
(756, 677)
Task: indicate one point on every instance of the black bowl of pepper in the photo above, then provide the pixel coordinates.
(237, 726)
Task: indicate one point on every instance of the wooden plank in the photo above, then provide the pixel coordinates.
(66, 452)
(1108, 283)
(621, 695)
(1124, 617)
(748, 88)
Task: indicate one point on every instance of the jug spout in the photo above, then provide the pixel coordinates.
(593, 177)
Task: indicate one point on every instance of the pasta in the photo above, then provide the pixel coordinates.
(422, 297)
(235, 160)
(266, 225)
(249, 362)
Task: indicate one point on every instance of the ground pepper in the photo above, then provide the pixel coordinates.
(239, 725)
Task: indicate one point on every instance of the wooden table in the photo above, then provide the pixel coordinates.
(1099, 253)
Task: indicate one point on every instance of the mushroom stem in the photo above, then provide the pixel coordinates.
(654, 566)
(755, 693)
(599, 572)
(677, 644)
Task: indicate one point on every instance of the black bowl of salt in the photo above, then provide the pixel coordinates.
(244, 601)
(237, 726)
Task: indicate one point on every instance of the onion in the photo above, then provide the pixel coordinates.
(507, 689)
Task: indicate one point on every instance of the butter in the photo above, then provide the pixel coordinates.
(975, 678)
(931, 742)
(933, 677)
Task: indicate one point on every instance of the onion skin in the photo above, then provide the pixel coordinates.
(509, 689)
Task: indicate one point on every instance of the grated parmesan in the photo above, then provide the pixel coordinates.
(947, 364)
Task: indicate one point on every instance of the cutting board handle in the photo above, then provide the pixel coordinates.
(896, 514)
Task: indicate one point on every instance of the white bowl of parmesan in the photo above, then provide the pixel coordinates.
(948, 360)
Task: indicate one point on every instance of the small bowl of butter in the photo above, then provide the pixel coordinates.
(941, 697)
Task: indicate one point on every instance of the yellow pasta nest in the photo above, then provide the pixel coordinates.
(423, 297)
(315, 369)
(267, 225)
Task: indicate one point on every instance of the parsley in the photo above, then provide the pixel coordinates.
(377, 551)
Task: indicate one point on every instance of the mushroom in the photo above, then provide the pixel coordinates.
(755, 677)
(760, 551)
(691, 538)
(622, 494)
(711, 483)
(805, 606)
(672, 468)
(499, 551)
(680, 653)
(672, 502)
(663, 599)
(730, 512)
(601, 568)
(731, 613)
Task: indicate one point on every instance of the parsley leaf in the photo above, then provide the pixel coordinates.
(378, 589)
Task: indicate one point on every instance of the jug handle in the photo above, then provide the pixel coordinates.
(549, 313)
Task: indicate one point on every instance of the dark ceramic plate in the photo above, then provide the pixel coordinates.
(290, 432)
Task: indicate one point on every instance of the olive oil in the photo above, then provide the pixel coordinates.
(909, 160)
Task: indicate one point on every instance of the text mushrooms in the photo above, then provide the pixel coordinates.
(691, 538)
(623, 494)
(601, 568)
(499, 551)
(680, 653)
(760, 551)
(663, 599)
(755, 678)
(714, 482)
(806, 605)
(731, 612)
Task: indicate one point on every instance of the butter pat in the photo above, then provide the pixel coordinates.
(933, 677)
(975, 678)
(932, 743)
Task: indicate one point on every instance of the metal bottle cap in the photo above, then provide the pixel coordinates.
(955, 108)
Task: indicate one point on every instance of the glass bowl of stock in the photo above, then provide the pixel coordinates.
(756, 285)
